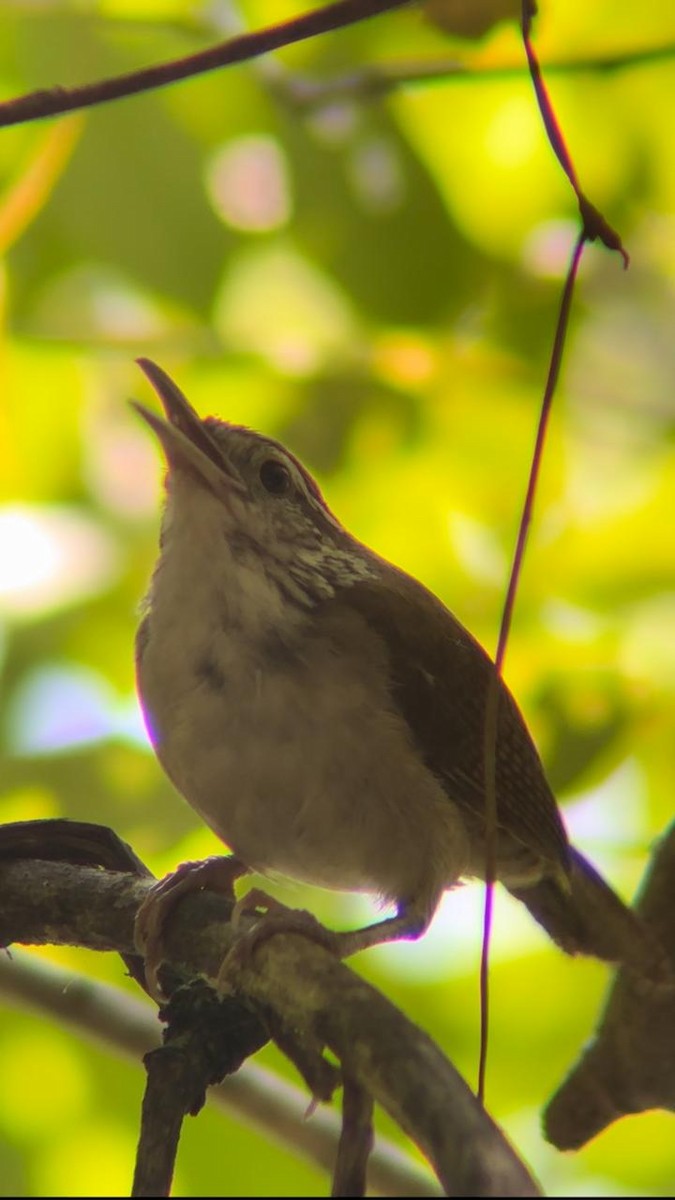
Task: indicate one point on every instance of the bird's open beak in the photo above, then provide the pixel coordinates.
(185, 440)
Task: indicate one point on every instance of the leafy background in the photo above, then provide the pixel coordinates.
(375, 282)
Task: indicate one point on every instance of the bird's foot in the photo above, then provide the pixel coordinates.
(274, 917)
(216, 874)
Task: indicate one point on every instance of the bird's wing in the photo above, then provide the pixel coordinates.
(439, 677)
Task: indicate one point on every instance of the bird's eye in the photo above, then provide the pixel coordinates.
(275, 477)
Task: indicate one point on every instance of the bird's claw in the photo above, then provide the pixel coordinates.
(274, 917)
(217, 873)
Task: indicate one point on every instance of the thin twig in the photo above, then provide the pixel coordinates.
(538, 452)
(378, 79)
(52, 102)
(492, 703)
(356, 1141)
(594, 226)
(168, 1078)
(207, 1037)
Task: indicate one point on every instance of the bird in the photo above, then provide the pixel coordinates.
(324, 713)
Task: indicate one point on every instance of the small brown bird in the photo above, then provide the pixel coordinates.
(324, 713)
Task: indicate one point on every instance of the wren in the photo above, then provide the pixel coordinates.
(324, 713)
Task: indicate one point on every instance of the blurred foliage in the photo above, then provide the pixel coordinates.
(376, 282)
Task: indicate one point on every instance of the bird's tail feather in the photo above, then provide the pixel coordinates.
(587, 917)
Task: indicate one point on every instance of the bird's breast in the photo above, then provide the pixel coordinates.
(290, 750)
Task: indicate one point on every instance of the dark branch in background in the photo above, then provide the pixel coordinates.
(53, 102)
(266, 1102)
(630, 1064)
(372, 82)
(594, 226)
(301, 994)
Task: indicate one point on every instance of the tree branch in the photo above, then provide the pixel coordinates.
(356, 1141)
(291, 984)
(255, 1095)
(207, 1038)
(54, 101)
